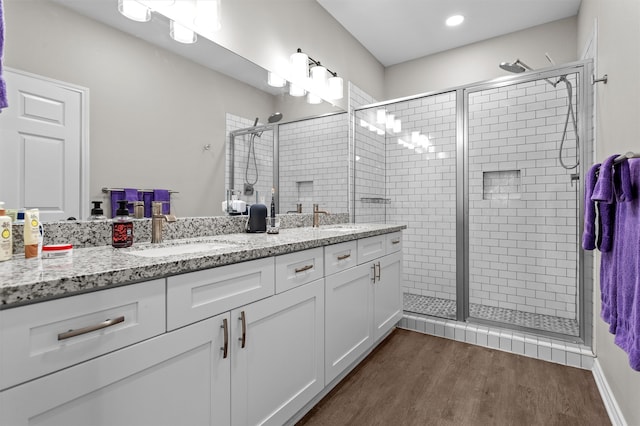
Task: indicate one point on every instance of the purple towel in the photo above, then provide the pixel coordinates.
(164, 197)
(627, 248)
(128, 194)
(3, 87)
(603, 190)
(146, 197)
(589, 233)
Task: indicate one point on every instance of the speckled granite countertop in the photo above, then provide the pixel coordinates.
(92, 268)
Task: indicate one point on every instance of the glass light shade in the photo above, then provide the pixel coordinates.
(299, 68)
(381, 116)
(134, 10)
(319, 78)
(181, 34)
(208, 15)
(313, 99)
(274, 80)
(336, 90)
(295, 90)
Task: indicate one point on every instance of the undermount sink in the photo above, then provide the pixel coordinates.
(178, 249)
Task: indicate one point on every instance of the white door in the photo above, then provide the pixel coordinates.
(387, 294)
(42, 141)
(281, 366)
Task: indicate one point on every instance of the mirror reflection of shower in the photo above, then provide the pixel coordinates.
(251, 152)
(518, 66)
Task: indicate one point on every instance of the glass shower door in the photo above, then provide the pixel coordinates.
(522, 202)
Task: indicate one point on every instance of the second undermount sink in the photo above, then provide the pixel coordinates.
(178, 249)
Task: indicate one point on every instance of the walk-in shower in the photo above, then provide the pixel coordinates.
(492, 214)
(251, 157)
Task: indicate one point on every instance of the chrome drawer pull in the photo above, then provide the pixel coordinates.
(395, 241)
(243, 339)
(304, 268)
(378, 270)
(344, 256)
(73, 333)
(225, 348)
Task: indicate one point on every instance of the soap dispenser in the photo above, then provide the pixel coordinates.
(122, 227)
(96, 212)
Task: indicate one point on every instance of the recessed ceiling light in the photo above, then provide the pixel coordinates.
(454, 20)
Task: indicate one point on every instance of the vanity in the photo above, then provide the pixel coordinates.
(236, 329)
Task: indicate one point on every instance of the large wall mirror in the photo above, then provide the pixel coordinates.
(159, 110)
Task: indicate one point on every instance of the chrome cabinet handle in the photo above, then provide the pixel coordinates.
(304, 268)
(344, 256)
(395, 241)
(374, 271)
(243, 339)
(84, 330)
(225, 348)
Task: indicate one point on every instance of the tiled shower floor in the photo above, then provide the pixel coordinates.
(445, 308)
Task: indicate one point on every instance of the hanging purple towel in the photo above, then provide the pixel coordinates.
(589, 234)
(3, 86)
(128, 194)
(627, 247)
(164, 197)
(146, 197)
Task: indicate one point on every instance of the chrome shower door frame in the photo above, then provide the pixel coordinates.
(584, 70)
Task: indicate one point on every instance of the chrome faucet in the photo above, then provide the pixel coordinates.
(157, 219)
(316, 215)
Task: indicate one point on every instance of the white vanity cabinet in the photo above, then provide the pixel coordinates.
(277, 359)
(363, 303)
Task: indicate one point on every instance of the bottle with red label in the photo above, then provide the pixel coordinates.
(122, 227)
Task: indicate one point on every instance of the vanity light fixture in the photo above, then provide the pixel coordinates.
(134, 10)
(323, 84)
(182, 34)
(455, 20)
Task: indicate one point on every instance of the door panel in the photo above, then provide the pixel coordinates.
(42, 139)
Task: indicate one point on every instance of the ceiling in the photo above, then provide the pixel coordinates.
(396, 31)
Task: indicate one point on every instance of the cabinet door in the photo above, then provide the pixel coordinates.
(387, 294)
(281, 366)
(179, 378)
(349, 318)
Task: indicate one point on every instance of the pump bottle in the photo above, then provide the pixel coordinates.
(122, 227)
(96, 212)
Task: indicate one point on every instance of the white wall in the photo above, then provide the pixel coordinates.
(479, 61)
(617, 131)
(151, 112)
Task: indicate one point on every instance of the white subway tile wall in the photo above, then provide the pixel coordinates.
(522, 203)
(418, 170)
(314, 164)
(263, 160)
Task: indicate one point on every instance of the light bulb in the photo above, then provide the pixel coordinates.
(134, 10)
(181, 34)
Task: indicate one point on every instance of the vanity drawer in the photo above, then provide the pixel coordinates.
(296, 269)
(45, 337)
(394, 242)
(338, 257)
(195, 296)
(371, 248)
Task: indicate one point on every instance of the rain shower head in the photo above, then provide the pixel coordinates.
(275, 117)
(516, 66)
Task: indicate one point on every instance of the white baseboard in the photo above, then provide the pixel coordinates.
(610, 403)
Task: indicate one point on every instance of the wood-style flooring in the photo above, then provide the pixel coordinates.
(417, 379)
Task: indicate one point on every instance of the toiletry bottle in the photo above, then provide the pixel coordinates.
(6, 239)
(31, 232)
(96, 212)
(122, 227)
